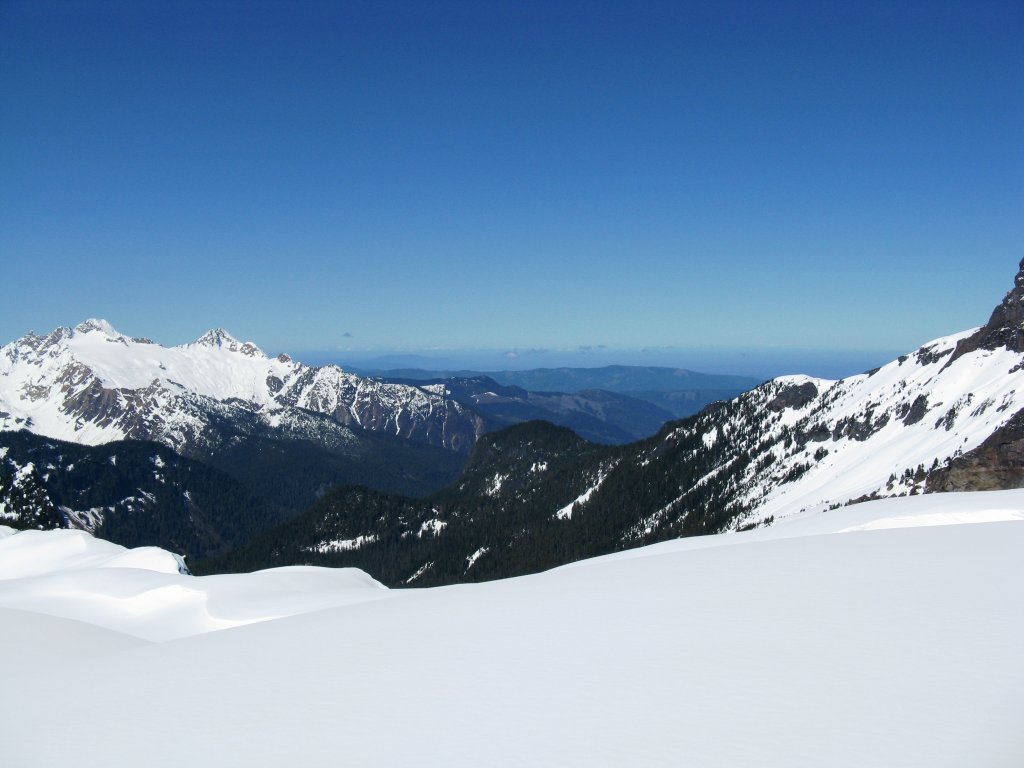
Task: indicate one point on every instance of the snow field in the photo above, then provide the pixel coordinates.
(809, 643)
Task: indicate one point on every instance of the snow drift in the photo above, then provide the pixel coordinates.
(882, 634)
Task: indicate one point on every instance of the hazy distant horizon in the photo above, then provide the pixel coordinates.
(763, 363)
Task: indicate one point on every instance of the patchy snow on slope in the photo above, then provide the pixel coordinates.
(434, 526)
(471, 559)
(86, 519)
(420, 571)
(24, 472)
(495, 483)
(565, 513)
(344, 545)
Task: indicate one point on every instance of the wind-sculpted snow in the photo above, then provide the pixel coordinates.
(34, 553)
(833, 639)
(94, 385)
(147, 592)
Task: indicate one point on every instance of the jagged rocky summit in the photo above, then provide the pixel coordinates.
(92, 384)
(1005, 328)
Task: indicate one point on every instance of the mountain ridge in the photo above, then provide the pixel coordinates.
(680, 391)
(928, 421)
(93, 384)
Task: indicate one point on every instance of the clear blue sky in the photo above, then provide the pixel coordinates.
(406, 175)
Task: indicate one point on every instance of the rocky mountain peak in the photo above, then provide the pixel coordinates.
(1005, 328)
(1009, 315)
(221, 339)
(95, 325)
(216, 337)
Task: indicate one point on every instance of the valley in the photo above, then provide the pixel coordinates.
(529, 496)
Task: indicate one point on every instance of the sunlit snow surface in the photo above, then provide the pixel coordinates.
(140, 591)
(813, 642)
(48, 382)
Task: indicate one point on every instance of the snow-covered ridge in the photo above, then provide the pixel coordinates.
(92, 384)
(798, 442)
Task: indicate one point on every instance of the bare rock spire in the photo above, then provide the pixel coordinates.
(1005, 328)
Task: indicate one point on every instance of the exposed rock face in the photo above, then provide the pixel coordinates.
(793, 396)
(1005, 328)
(996, 464)
(916, 411)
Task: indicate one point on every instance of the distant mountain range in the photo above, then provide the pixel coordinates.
(91, 384)
(678, 391)
(286, 430)
(596, 414)
(946, 417)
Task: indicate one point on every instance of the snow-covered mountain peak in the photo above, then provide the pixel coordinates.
(215, 337)
(218, 338)
(96, 325)
(92, 384)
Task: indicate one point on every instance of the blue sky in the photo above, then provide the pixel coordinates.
(492, 175)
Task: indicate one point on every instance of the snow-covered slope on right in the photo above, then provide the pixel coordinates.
(878, 434)
(946, 417)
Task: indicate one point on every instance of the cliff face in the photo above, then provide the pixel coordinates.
(1005, 328)
(996, 464)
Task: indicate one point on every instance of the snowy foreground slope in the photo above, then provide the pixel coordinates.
(886, 633)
